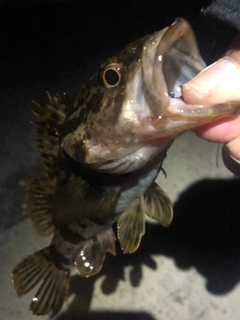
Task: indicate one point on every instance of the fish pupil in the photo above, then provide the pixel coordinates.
(111, 77)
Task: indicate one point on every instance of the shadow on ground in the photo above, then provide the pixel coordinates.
(107, 316)
(204, 235)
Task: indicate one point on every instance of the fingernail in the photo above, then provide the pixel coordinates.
(230, 162)
(212, 75)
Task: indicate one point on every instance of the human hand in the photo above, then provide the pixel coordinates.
(219, 83)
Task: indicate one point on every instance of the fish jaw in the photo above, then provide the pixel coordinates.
(119, 128)
(180, 116)
(170, 58)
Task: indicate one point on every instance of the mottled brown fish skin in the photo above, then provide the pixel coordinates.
(95, 114)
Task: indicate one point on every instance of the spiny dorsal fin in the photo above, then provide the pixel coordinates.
(55, 281)
(131, 226)
(90, 259)
(39, 195)
(50, 117)
(157, 205)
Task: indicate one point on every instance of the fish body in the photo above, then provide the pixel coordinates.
(102, 152)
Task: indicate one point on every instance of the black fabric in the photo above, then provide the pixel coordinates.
(225, 10)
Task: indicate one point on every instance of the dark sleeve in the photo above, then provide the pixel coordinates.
(225, 10)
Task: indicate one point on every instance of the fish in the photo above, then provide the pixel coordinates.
(102, 150)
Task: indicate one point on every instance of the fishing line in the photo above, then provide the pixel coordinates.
(217, 155)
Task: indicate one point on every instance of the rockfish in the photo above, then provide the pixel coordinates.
(102, 151)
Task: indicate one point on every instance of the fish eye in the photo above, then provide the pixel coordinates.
(111, 77)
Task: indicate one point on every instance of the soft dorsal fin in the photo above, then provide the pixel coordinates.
(39, 194)
(49, 119)
(131, 226)
(157, 205)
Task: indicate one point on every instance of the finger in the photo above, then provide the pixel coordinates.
(234, 50)
(230, 162)
(220, 131)
(234, 148)
(218, 83)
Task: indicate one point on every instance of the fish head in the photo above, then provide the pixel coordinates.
(120, 119)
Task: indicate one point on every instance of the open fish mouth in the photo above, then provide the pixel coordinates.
(170, 58)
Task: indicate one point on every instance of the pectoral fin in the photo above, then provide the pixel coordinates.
(157, 205)
(131, 226)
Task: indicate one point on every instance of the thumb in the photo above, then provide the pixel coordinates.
(219, 82)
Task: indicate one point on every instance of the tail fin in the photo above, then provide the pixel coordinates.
(39, 195)
(54, 277)
(90, 259)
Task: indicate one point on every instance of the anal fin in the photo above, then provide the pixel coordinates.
(53, 290)
(90, 259)
(131, 226)
(157, 205)
(39, 195)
